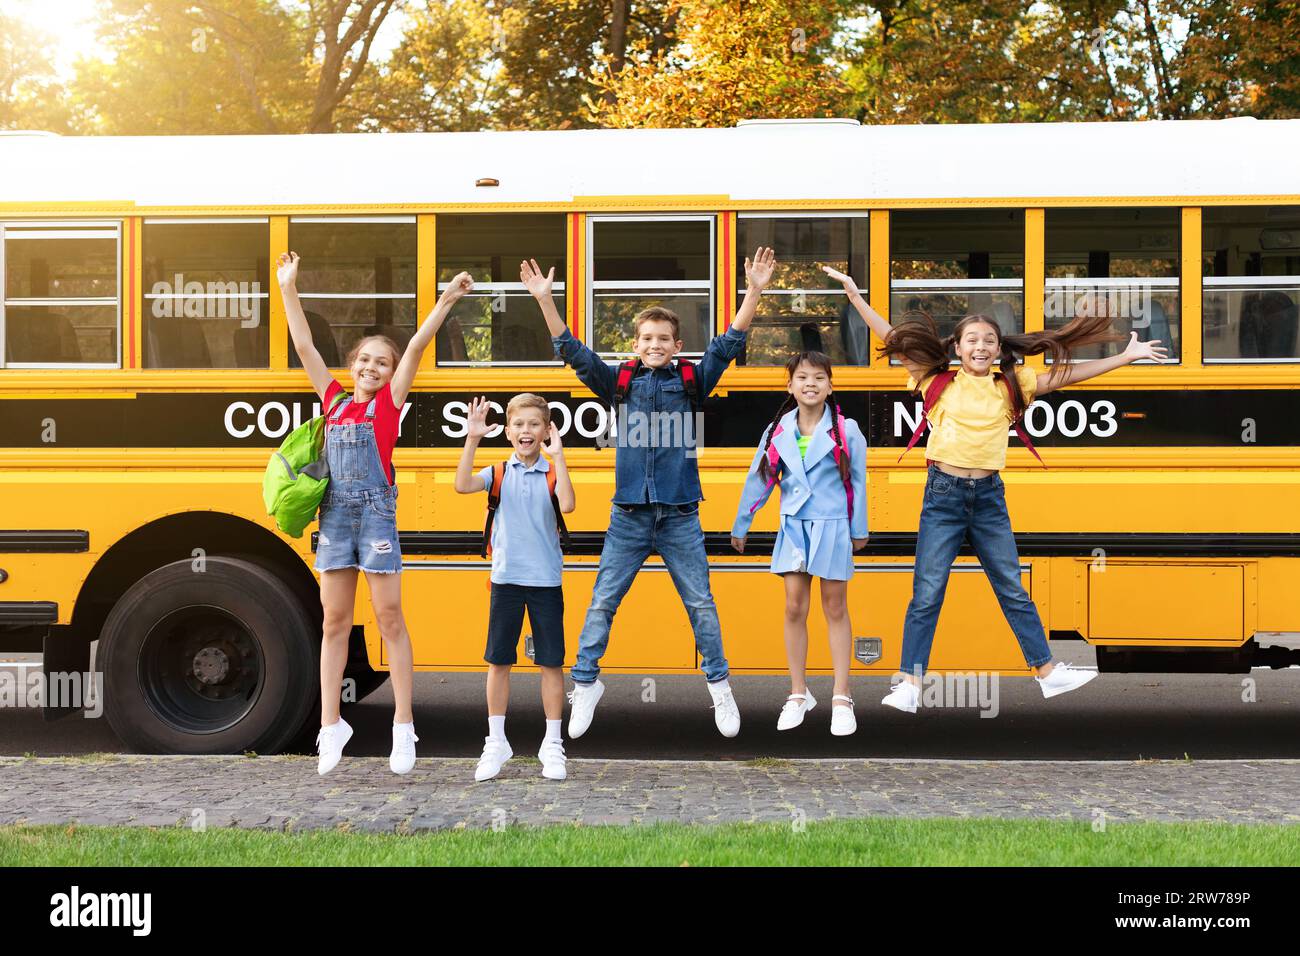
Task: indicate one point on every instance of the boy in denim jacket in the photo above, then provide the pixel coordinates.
(656, 505)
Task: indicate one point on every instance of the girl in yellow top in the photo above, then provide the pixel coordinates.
(964, 496)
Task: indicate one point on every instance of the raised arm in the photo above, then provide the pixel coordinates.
(875, 321)
(554, 448)
(757, 275)
(1062, 375)
(476, 427)
(410, 363)
(593, 372)
(286, 273)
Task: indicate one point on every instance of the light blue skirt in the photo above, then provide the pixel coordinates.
(817, 546)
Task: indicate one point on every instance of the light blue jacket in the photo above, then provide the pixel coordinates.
(811, 486)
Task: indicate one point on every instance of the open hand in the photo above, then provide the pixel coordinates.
(552, 445)
(476, 425)
(530, 274)
(850, 286)
(759, 272)
(1145, 350)
(286, 269)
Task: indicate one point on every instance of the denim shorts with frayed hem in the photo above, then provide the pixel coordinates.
(359, 530)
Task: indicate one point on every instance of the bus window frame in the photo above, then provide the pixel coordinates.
(114, 225)
(737, 271)
(146, 297)
(400, 219)
(591, 285)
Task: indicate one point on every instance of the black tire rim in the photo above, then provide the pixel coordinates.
(200, 669)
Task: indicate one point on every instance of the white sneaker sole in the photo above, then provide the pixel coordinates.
(899, 704)
(555, 774)
(479, 776)
(1050, 692)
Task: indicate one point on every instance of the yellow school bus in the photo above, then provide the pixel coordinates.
(147, 376)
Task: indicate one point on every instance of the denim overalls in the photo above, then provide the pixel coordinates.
(358, 516)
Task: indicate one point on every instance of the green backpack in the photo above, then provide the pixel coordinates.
(297, 475)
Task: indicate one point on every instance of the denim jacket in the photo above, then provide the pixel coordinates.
(655, 457)
(811, 486)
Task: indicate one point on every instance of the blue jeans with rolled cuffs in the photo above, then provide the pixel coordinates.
(956, 509)
(636, 531)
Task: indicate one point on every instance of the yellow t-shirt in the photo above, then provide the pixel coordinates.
(968, 425)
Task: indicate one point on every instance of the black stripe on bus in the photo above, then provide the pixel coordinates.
(13, 613)
(892, 544)
(28, 542)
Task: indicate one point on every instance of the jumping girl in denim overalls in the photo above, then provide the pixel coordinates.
(358, 517)
(964, 497)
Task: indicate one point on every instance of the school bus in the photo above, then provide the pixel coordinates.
(147, 375)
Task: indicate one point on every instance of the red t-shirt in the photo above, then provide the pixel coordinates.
(386, 421)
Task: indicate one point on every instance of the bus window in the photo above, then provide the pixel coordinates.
(61, 294)
(205, 291)
(639, 261)
(498, 323)
(1251, 293)
(1126, 258)
(803, 309)
(949, 263)
(357, 278)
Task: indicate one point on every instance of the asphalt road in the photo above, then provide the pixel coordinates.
(1116, 717)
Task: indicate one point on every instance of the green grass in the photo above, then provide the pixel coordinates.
(886, 841)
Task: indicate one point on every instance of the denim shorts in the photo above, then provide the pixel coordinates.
(359, 530)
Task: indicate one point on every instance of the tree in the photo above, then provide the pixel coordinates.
(31, 96)
(730, 60)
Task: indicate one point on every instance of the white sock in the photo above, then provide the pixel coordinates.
(553, 730)
(723, 684)
(497, 727)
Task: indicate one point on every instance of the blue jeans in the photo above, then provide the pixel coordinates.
(954, 509)
(636, 531)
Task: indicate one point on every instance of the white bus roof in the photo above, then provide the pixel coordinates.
(796, 161)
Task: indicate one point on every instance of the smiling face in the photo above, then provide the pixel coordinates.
(978, 347)
(373, 366)
(810, 385)
(526, 429)
(656, 343)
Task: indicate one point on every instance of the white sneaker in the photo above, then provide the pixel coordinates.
(329, 744)
(553, 760)
(904, 696)
(402, 759)
(725, 712)
(796, 705)
(843, 722)
(584, 698)
(496, 751)
(1065, 678)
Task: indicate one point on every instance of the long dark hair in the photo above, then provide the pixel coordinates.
(917, 339)
(822, 362)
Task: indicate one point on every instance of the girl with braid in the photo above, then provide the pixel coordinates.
(970, 411)
(819, 457)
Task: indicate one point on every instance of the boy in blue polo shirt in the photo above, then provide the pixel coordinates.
(526, 568)
(656, 485)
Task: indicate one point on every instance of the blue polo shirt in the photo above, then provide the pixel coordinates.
(525, 542)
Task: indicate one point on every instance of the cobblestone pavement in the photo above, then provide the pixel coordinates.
(285, 793)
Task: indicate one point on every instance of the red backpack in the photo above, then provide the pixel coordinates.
(941, 382)
(494, 501)
(774, 461)
(628, 369)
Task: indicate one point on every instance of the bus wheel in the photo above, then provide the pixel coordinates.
(222, 660)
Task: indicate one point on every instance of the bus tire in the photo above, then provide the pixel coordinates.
(222, 660)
